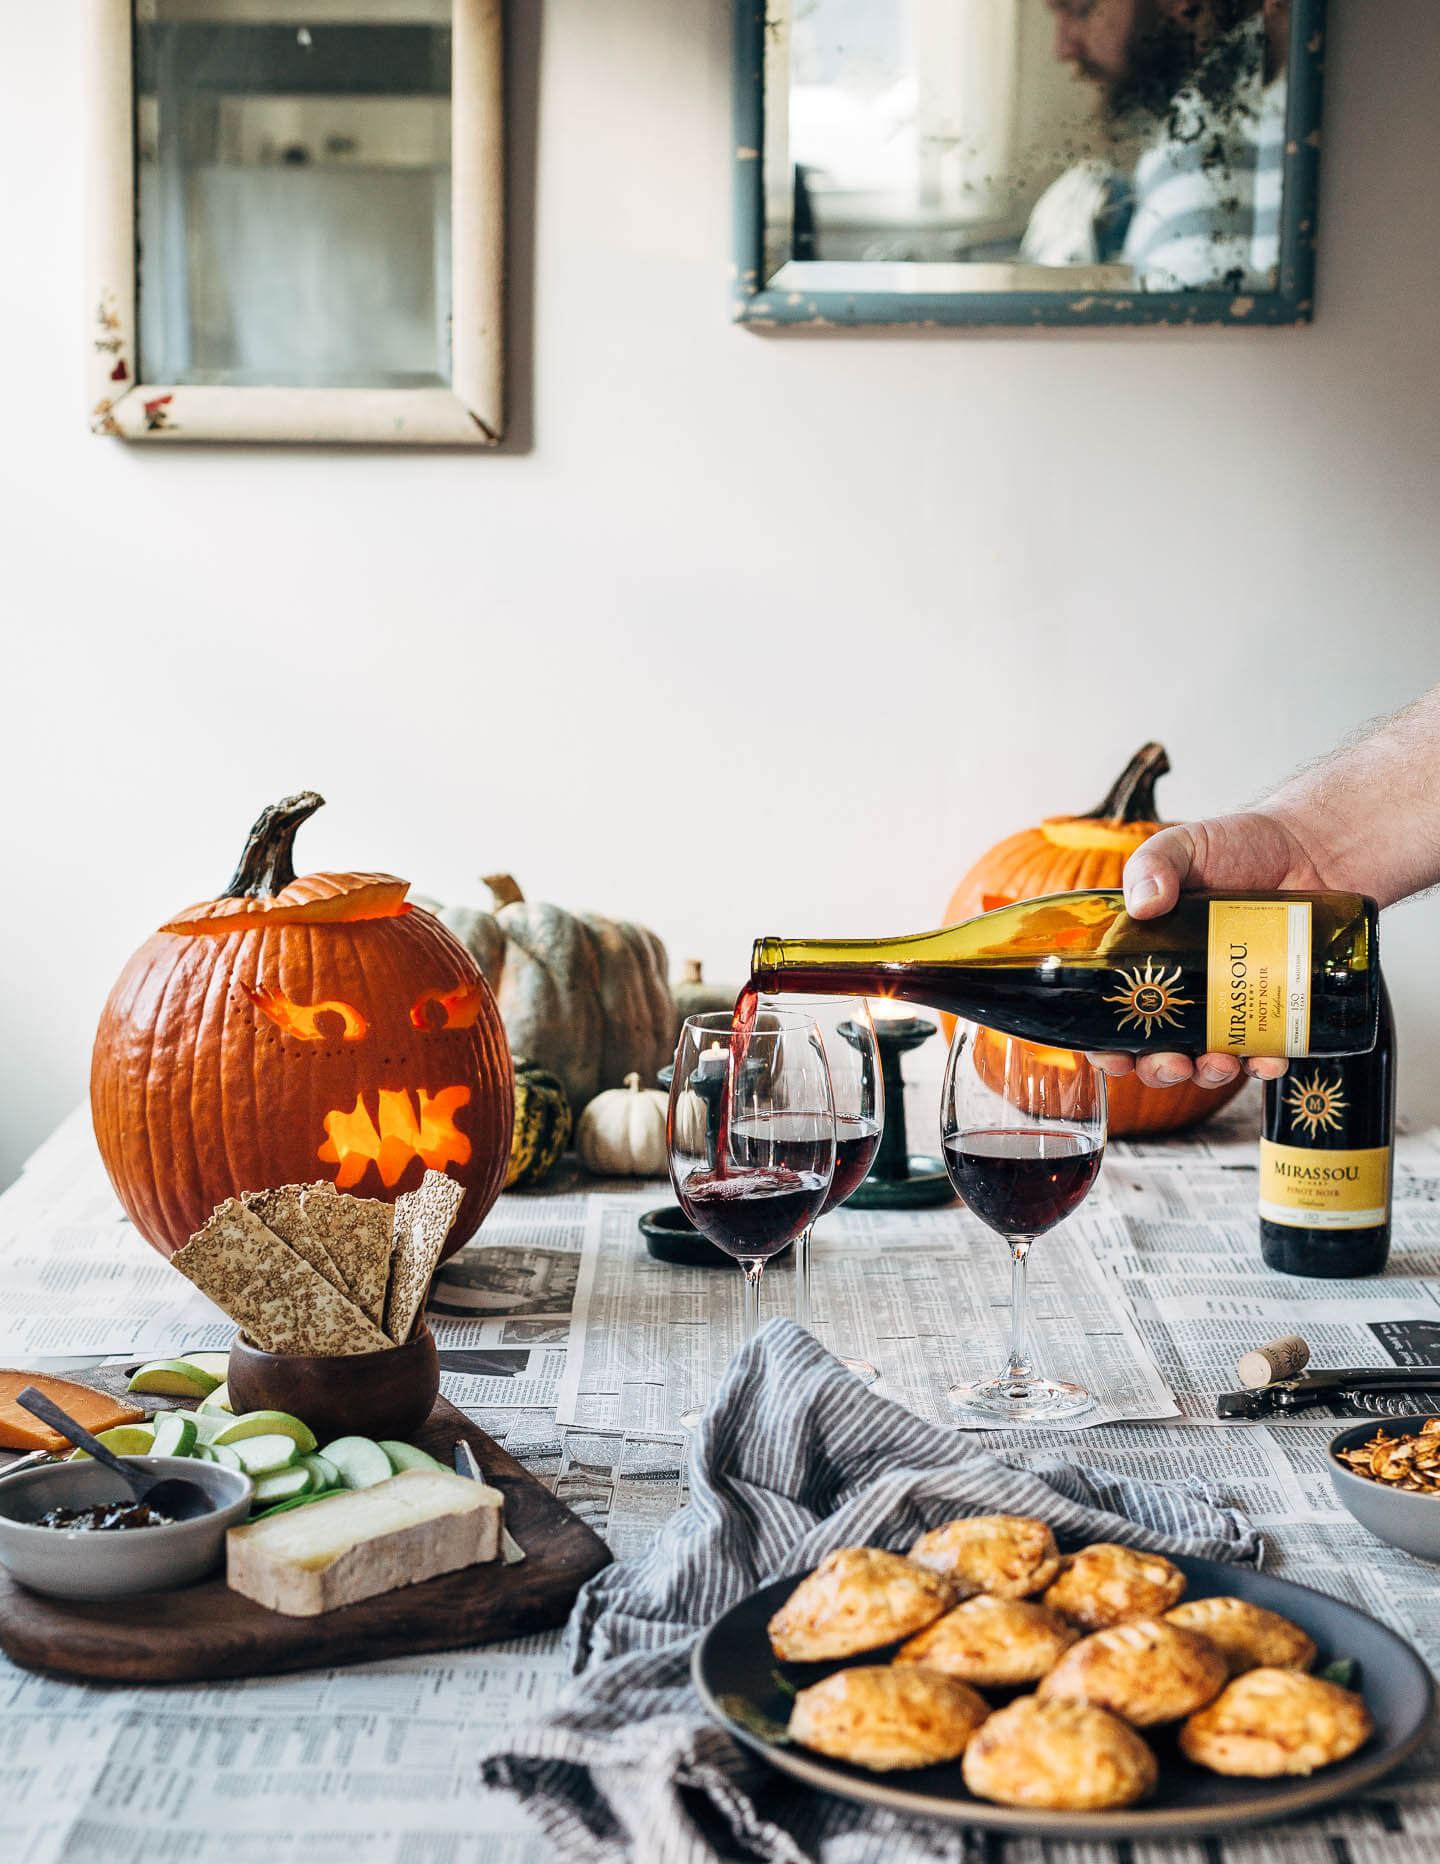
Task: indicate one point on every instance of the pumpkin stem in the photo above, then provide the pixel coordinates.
(268, 862)
(1131, 798)
(634, 1083)
(504, 891)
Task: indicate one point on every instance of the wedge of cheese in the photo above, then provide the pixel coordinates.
(20, 1431)
(352, 1546)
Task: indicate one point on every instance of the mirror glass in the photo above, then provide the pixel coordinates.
(986, 145)
(293, 192)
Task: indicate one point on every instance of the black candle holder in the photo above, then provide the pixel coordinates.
(899, 1179)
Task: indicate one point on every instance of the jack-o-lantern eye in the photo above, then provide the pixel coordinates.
(303, 1019)
(457, 1010)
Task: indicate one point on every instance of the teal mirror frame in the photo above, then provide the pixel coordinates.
(759, 307)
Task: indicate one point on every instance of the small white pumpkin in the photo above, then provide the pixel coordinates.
(622, 1131)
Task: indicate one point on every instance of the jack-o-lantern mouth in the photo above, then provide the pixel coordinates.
(396, 1136)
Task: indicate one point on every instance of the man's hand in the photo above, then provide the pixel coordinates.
(1235, 851)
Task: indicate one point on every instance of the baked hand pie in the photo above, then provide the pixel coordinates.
(1270, 1722)
(857, 1599)
(885, 1718)
(1105, 1584)
(1009, 1555)
(990, 1641)
(1145, 1671)
(1247, 1636)
(1058, 1754)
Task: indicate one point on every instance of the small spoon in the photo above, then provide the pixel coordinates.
(168, 1495)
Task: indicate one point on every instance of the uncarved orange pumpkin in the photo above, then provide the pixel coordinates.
(1069, 852)
(296, 1029)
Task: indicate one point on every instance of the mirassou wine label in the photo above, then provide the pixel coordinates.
(1324, 1190)
(1149, 998)
(1318, 1104)
(1258, 977)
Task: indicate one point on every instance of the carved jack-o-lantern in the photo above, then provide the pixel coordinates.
(294, 1030)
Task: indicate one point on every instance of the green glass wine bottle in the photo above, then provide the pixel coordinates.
(1243, 973)
(1326, 1162)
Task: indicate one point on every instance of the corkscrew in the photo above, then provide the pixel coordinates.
(1285, 1396)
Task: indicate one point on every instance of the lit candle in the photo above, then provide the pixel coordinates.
(710, 1063)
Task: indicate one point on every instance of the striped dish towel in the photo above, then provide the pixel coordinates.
(793, 1457)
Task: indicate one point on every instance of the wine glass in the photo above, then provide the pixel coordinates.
(1024, 1134)
(751, 1137)
(848, 1033)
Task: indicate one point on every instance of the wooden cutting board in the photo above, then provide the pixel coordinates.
(207, 1631)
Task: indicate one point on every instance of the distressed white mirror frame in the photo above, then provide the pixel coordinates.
(470, 412)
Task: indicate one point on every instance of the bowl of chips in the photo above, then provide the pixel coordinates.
(1386, 1472)
(329, 1293)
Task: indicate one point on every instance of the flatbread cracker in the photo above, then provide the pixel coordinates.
(283, 1304)
(280, 1210)
(422, 1222)
(356, 1234)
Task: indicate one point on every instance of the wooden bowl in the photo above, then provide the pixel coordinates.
(386, 1394)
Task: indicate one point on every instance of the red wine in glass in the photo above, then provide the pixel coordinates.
(752, 1211)
(1020, 1182)
(857, 1141)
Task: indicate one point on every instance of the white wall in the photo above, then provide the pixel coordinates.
(933, 585)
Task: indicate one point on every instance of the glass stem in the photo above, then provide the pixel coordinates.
(1017, 1366)
(753, 1271)
(802, 1278)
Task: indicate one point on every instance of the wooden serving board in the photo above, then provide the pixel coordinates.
(208, 1631)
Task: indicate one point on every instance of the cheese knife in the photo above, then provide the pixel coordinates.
(467, 1464)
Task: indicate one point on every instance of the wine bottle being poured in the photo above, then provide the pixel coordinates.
(1246, 974)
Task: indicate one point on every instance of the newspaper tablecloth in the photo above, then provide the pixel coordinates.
(375, 1764)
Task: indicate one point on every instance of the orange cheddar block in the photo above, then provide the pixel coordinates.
(20, 1431)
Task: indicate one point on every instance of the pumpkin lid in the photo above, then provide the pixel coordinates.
(264, 887)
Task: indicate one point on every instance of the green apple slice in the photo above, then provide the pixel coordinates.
(406, 1456)
(326, 1475)
(216, 1364)
(259, 1456)
(175, 1434)
(268, 1424)
(209, 1424)
(218, 1400)
(222, 1453)
(123, 1439)
(361, 1462)
(282, 1485)
(175, 1378)
(202, 1453)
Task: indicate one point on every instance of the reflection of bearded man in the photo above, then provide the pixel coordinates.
(1203, 83)
(1138, 53)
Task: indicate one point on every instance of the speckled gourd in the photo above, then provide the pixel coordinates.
(543, 1124)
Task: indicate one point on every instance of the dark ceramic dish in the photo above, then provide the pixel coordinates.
(385, 1394)
(734, 1660)
(670, 1236)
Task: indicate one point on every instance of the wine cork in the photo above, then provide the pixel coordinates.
(1276, 1359)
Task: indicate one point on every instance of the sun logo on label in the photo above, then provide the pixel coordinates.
(1317, 1104)
(1149, 998)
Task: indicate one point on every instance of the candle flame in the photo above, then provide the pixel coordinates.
(888, 1010)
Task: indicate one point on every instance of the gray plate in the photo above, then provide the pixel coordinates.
(734, 1658)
